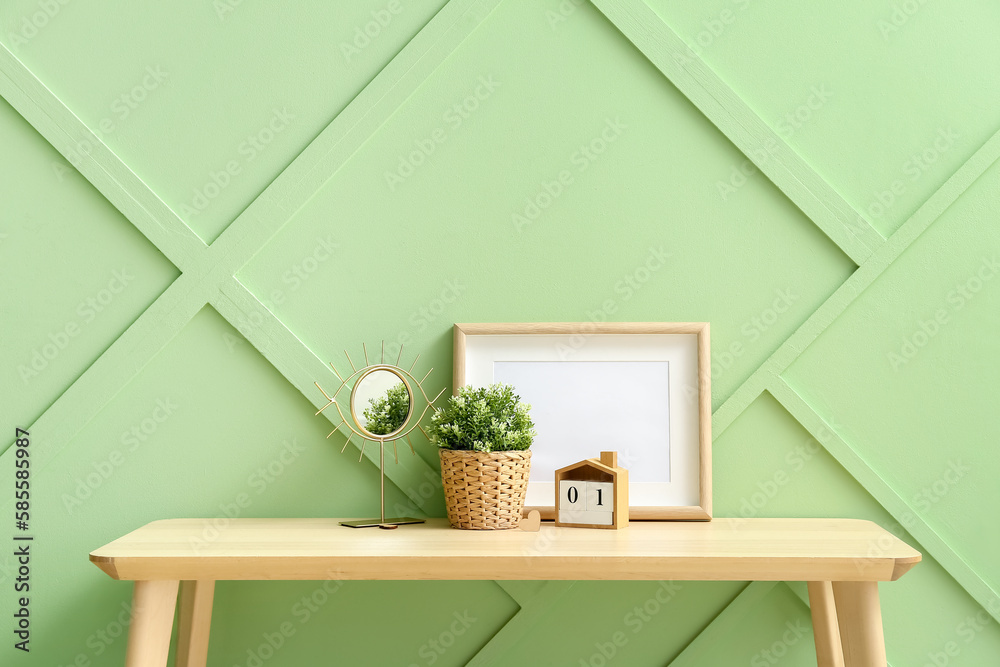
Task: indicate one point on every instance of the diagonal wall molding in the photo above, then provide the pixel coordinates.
(301, 368)
(99, 165)
(665, 49)
(731, 617)
(867, 273)
(334, 146)
(727, 110)
(209, 272)
(902, 511)
(723, 624)
(531, 614)
(114, 369)
(768, 377)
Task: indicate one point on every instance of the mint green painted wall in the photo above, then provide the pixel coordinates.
(893, 79)
(192, 381)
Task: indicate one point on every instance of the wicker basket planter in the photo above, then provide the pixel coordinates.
(484, 490)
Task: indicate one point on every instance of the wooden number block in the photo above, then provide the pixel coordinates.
(586, 503)
(586, 517)
(572, 495)
(600, 497)
(592, 493)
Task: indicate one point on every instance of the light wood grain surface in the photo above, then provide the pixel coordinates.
(725, 549)
(195, 620)
(826, 629)
(153, 605)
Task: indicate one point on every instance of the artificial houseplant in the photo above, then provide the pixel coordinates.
(484, 435)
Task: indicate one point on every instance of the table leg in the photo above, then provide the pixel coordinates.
(153, 604)
(860, 618)
(829, 651)
(195, 621)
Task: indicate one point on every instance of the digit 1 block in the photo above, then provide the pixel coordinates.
(600, 497)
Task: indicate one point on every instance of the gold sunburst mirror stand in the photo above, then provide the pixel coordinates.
(381, 410)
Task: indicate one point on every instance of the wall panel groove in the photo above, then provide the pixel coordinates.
(212, 276)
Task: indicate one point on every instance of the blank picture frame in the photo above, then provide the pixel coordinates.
(641, 388)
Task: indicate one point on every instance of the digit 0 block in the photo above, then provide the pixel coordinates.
(573, 495)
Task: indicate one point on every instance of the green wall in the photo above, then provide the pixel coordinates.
(202, 203)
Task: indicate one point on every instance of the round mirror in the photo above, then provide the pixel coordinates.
(381, 403)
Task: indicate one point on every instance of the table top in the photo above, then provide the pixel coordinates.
(723, 549)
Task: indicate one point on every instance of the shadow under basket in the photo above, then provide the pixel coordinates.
(484, 490)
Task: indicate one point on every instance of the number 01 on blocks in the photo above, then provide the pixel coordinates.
(592, 493)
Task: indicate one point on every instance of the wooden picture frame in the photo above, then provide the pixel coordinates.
(482, 350)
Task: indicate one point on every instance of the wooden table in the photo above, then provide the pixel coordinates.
(842, 559)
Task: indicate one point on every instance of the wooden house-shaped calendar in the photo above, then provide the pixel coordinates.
(592, 493)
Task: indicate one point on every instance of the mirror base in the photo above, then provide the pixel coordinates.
(372, 523)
